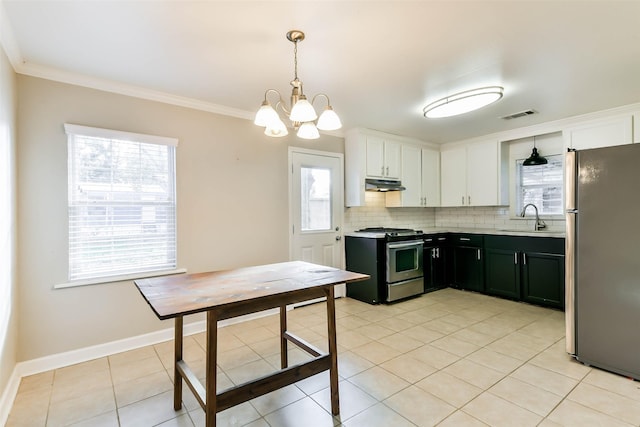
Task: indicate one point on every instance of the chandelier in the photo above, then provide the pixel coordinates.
(301, 112)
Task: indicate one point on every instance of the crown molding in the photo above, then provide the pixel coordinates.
(54, 74)
(7, 40)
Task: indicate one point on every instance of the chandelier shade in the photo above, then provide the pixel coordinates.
(329, 120)
(301, 113)
(276, 129)
(463, 102)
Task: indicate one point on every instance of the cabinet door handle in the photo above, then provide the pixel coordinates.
(524, 258)
(478, 254)
(515, 258)
(387, 170)
(463, 200)
(438, 252)
(382, 171)
(465, 239)
(469, 199)
(433, 253)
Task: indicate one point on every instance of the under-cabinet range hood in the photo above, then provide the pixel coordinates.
(383, 185)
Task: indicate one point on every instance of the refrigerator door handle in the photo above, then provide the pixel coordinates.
(571, 173)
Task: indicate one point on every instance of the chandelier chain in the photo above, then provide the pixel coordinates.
(295, 60)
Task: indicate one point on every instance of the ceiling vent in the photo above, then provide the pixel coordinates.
(519, 114)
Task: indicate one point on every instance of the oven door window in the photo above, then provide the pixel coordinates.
(406, 259)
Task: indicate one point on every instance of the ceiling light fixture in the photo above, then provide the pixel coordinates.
(463, 102)
(535, 159)
(302, 114)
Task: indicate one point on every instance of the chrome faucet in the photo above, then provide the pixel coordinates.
(539, 224)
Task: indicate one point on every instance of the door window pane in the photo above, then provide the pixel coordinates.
(315, 199)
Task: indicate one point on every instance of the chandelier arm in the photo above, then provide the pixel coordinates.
(282, 106)
(320, 94)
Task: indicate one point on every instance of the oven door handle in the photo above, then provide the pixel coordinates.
(404, 245)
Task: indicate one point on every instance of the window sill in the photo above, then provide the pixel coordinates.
(121, 278)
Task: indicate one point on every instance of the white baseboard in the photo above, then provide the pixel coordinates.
(59, 360)
(8, 396)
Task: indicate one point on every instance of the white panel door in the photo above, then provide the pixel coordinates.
(316, 208)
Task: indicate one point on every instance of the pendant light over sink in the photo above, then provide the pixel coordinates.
(535, 159)
(301, 112)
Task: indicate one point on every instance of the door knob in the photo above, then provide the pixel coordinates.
(338, 238)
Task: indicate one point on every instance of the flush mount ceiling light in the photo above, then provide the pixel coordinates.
(302, 114)
(535, 159)
(463, 102)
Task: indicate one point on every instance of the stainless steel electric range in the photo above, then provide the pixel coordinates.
(393, 257)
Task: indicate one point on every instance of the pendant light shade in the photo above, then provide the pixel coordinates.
(535, 159)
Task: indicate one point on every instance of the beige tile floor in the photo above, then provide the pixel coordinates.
(447, 358)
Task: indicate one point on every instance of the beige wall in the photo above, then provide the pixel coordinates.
(232, 207)
(8, 282)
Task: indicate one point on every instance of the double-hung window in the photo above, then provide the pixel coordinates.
(122, 204)
(541, 185)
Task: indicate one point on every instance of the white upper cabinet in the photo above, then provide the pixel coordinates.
(453, 177)
(420, 176)
(600, 133)
(372, 154)
(430, 177)
(471, 175)
(383, 158)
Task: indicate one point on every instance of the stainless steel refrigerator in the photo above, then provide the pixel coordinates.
(603, 258)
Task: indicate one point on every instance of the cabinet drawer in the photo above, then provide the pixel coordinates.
(474, 240)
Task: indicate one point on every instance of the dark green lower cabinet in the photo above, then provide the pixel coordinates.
(502, 271)
(526, 269)
(468, 268)
(543, 279)
(435, 263)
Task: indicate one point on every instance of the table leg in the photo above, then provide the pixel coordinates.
(284, 356)
(177, 356)
(212, 353)
(333, 351)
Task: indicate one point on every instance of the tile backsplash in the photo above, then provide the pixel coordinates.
(376, 214)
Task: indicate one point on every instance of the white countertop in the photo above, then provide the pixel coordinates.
(500, 232)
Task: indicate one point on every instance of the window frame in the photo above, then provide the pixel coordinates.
(169, 265)
(519, 201)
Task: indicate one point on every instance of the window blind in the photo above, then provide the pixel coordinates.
(122, 203)
(542, 185)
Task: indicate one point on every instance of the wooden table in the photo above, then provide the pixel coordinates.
(226, 294)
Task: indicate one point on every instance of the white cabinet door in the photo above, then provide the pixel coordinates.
(430, 177)
(375, 157)
(392, 159)
(636, 128)
(601, 133)
(383, 158)
(453, 176)
(411, 177)
(482, 174)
